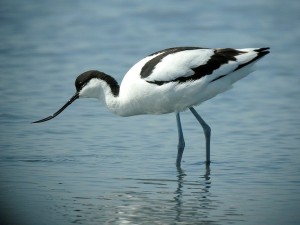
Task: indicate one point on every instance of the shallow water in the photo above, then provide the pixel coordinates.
(88, 166)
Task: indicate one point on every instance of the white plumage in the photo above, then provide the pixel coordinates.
(171, 80)
(140, 96)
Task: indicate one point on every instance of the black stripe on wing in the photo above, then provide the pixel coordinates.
(261, 52)
(150, 65)
(219, 58)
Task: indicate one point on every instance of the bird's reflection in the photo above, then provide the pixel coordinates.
(191, 199)
(186, 199)
(199, 187)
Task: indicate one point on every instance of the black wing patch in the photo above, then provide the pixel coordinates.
(261, 53)
(219, 58)
(150, 65)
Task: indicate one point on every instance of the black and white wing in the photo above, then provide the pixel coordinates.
(185, 64)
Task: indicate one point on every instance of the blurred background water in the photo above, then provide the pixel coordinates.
(88, 166)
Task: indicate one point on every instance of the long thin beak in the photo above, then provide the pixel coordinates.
(60, 110)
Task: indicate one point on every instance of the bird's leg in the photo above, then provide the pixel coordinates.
(207, 132)
(181, 142)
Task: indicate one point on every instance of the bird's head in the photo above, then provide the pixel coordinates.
(88, 85)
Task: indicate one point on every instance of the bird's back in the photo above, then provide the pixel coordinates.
(177, 78)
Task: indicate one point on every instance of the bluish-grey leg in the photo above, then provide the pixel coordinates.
(207, 132)
(181, 142)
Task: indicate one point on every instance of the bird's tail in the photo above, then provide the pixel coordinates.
(256, 53)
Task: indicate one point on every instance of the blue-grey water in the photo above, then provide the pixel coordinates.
(88, 166)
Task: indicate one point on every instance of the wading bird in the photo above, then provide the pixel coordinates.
(170, 80)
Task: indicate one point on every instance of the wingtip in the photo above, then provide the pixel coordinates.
(263, 50)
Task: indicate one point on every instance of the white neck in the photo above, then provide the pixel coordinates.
(102, 90)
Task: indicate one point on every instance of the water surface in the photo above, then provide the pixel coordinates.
(88, 166)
